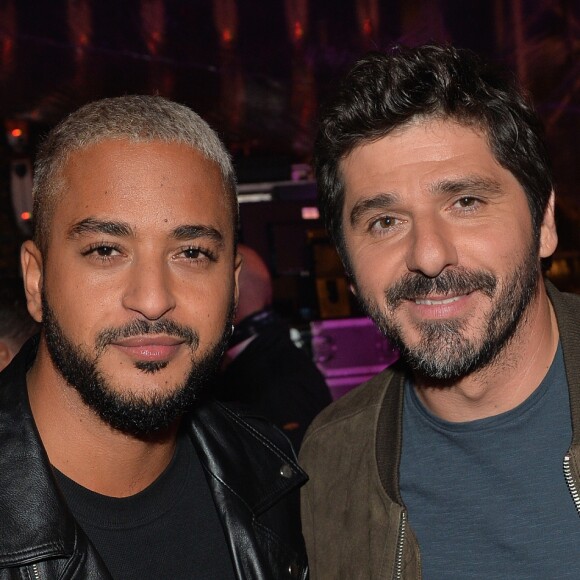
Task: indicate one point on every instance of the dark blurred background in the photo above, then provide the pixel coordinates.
(257, 70)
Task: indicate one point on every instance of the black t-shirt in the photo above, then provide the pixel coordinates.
(169, 530)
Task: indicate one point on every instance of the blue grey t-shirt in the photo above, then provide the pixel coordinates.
(488, 498)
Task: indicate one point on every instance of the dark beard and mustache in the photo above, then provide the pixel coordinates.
(127, 412)
(443, 353)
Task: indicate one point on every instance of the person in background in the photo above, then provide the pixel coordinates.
(16, 324)
(263, 368)
(462, 461)
(115, 462)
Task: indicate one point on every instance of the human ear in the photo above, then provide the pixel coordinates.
(548, 234)
(31, 261)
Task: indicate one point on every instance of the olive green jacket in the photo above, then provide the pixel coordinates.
(353, 517)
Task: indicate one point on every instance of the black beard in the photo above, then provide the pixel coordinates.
(443, 354)
(128, 412)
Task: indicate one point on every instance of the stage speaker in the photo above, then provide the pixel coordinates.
(349, 352)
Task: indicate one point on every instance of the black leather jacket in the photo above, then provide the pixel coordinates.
(254, 481)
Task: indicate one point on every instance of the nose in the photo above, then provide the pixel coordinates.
(432, 247)
(149, 290)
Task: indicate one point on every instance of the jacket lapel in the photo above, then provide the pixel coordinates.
(242, 458)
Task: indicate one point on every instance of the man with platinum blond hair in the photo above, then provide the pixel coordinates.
(115, 461)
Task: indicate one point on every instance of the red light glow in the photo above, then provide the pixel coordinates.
(298, 31)
(25, 215)
(310, 213)
(16, 132)
(367, 27)
(227, 36)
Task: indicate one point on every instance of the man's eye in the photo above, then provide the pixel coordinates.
(101, 251)
(104, 251)
(467, 202)
(197, 254)
(192, 253)
(384, 223)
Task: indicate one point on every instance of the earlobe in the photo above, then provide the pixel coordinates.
(548, 234)
(31, 261)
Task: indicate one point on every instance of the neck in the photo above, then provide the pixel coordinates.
(85, 448)
(511, 377)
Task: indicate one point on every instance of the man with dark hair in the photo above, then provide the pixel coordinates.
(463, 460)
(16, 325)
(114, 460)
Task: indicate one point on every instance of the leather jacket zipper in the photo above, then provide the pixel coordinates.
(398, 572)
(571, 483)
(35, 572)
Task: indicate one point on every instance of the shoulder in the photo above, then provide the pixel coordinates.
(255, 480)
(245, 454)
(244, 419)
(362, 399)
(565, 303)
(352, 418)
(237, 419)
(567, 309)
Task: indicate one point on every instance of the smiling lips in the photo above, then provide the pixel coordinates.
(430, 302)
(149, 348)
(440, 307)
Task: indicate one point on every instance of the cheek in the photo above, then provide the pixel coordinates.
(496, 251)
(80, 319)
(376, 268)
(371, 286)
(81, 306)
(209, 304)
(62, 291)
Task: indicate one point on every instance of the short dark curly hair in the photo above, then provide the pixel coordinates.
(386, 91)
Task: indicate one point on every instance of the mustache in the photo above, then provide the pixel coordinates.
(457, 281)
(141, 327)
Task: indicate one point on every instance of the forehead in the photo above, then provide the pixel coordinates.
(419, 152)
(422, 164)
(146, 184)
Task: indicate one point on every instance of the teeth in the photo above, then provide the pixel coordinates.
(437, 302)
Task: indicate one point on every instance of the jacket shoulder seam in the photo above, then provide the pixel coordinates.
(331, 422)
(345, 415)
(256, 434)
(52, 545)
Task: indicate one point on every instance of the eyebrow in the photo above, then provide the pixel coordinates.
(474, 183)
(382, 201)
(96, 226)
(191, 232)
(379, 201)
(124, 230)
